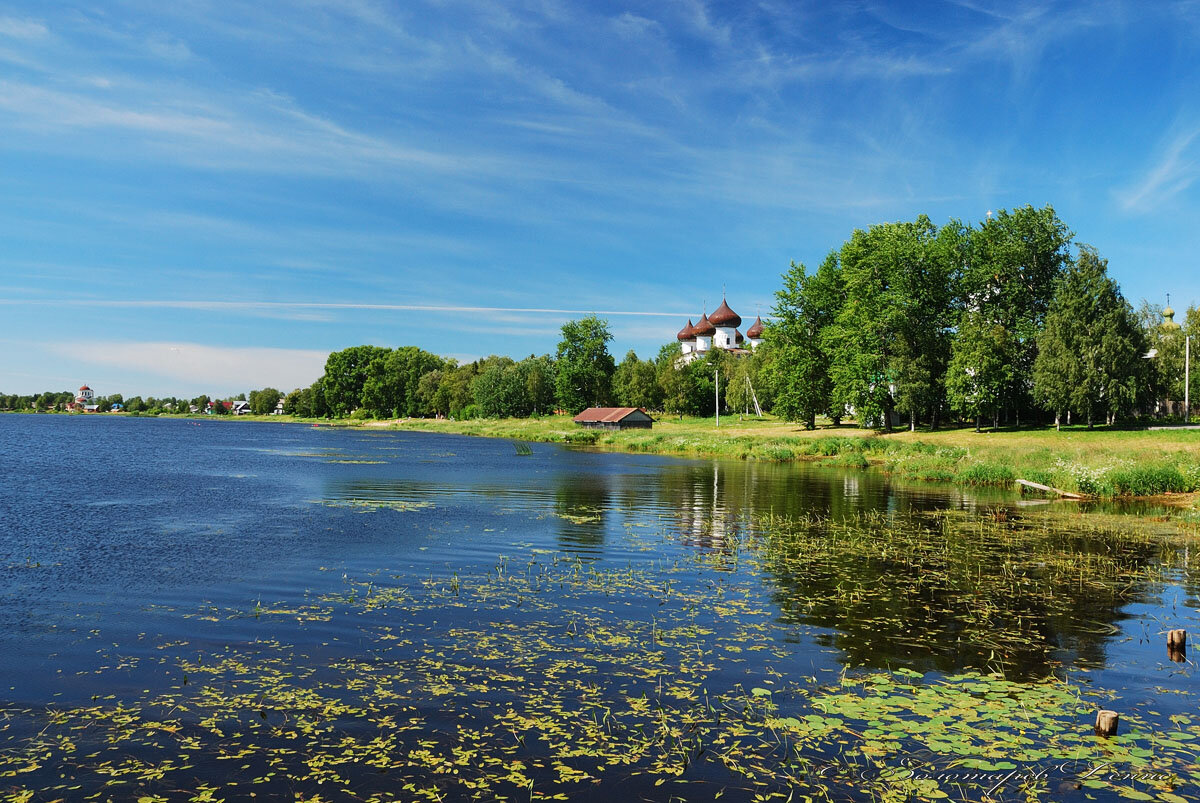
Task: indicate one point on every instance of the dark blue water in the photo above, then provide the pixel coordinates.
(131, 549)
(106, 521)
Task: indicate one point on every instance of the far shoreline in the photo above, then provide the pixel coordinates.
(1159, 463)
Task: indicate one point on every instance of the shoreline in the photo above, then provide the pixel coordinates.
(1100, 464)
(1160, 463)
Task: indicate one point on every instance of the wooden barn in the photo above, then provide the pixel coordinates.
(614, 418)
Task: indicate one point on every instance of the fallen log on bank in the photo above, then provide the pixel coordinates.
(1047, 489)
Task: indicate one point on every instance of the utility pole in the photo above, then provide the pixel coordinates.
(1187, 379)
(717, 393)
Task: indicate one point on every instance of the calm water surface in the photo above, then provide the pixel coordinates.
(462, 609)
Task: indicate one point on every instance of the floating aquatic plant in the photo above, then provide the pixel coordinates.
(544, 675)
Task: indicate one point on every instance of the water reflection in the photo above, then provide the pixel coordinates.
(958, 592)
(891, 573)
(581, 506)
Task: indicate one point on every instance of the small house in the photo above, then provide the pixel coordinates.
(614, 418)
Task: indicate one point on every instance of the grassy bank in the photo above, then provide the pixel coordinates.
(1099, 463)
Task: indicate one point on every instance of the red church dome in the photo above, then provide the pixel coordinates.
(724, 316)
(687, 332)
(756, 329)
(704, 328)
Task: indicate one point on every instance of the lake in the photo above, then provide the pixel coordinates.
(214, 610)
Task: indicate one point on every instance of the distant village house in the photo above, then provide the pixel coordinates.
(614, 418)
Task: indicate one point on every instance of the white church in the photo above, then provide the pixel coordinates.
(718, 331)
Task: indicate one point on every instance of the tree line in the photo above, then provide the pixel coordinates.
(998, 322)
(262, 402)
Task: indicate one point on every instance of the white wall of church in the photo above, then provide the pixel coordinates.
(725, 338)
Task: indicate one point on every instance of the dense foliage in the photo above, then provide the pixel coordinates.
(908, 322)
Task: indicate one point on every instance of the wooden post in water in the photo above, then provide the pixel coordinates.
(1106, 722)
(1177, 646)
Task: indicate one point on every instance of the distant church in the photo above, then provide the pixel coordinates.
(85, 401)
(718, 331)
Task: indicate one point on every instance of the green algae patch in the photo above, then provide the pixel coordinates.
(548, 677)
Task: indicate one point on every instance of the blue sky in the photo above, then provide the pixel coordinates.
(209, 197)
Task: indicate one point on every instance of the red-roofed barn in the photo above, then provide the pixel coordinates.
(614, 418)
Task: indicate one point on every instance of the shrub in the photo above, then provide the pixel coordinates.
(986, 474)
(1148, 480)
(850, 460)
(1191, 475)
(776, 451)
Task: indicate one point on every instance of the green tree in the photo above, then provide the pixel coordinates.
(498, 390)
(391, 387)
(584, 366)
(794, 354)
(1015, 261)
(309, 402)
(890, 339)
(979, 370)
(291, 402)
(538, 375)
(1089, 353)
(737, 385)
(1191, 328)
(688, 388)
(346, 372)
(262, 402)
(635, 383)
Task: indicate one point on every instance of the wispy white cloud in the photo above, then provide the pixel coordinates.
(168, 47)
(273, 306)
(1175, 169)
(22, 28)
(223, 368)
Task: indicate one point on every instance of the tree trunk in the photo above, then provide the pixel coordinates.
(977, 420)
(933, 418)
(1089, 417)
(912, 421)
(1068, 418)
(1057, 421)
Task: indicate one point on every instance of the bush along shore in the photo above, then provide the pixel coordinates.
(1094, 463)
